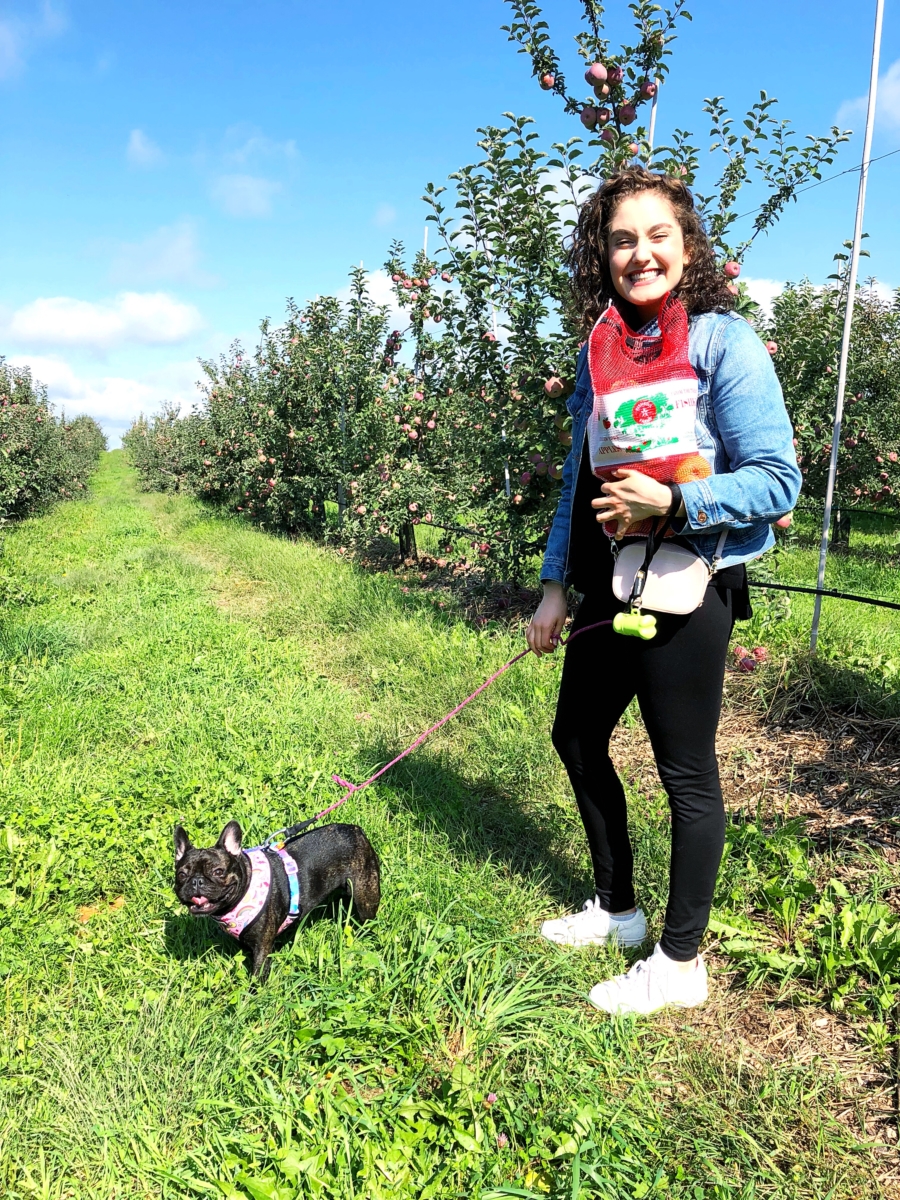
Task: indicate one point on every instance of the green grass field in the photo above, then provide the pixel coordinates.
(162, 664)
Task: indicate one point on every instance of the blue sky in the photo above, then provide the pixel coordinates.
(172, 171)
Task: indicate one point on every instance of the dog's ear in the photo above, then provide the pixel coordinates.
(182, 843)
(231, 838)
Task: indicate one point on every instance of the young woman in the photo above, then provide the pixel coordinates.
(708, 441)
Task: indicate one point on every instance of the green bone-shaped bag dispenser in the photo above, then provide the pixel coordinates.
(635, 623)
(676, 587)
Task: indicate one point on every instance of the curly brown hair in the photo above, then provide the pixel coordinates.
(703, 288)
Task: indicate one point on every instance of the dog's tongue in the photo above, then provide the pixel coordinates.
(199, 901)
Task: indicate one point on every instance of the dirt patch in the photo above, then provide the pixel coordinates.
(841, 774)
(764, 1033)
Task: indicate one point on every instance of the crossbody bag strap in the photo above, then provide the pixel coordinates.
(654, 541)
(717, 555)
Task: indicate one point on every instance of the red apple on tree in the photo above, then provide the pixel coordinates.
(547, 82)
(596, 73)
(614, 76)
(627, 114)
(732, 270)
(588, 116)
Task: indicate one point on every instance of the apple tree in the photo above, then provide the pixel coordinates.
(806, 329)
(622, 86)
(43, 457)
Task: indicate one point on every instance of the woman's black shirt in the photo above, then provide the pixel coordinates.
(590, 554)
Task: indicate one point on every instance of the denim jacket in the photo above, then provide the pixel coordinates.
(742, 429)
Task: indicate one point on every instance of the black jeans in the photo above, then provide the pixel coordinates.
(677, 678)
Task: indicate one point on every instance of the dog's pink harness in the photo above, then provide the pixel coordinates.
(252, 902)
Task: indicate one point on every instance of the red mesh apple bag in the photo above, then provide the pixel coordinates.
(645, 402)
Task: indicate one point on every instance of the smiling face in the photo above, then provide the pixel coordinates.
(646, 251)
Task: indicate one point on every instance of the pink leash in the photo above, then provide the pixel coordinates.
(358, 787)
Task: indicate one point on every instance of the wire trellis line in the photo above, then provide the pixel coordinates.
(830, 592)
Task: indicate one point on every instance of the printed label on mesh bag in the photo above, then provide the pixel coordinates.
(652, 420)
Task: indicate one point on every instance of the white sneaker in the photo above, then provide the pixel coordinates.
(652, 984)
(594, 926)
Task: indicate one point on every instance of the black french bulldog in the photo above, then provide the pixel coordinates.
(213, 882)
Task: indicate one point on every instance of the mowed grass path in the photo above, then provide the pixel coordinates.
(160, 664)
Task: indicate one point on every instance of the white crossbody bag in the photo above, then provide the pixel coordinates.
(648, 574)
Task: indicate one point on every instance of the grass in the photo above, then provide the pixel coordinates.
(858, 658)
(161, 664)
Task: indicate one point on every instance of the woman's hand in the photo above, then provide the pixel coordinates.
(631, 498)
(546, 625)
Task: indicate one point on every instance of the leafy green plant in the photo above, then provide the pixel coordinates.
(626, 81)
(806, 326)
(43, 458)
(814, 934)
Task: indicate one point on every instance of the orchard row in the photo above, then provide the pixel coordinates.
(386, 429)
(43, 457)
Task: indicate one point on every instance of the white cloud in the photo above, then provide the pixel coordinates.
(887, 107)
(148, 318)
(244, 195)
(381, 292)
(883, 291)
(141, 151)
(11, 49)
(764, 292)
(385, 214)
(114, 401)
(52, 20)
(19, 36)
(169, 254)
(246, 143)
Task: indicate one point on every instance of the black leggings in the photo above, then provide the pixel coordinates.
(677, 678)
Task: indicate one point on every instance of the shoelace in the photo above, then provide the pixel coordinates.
(589, 907)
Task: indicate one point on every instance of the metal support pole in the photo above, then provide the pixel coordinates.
(506, 480)
(848, 321)
(652, 134)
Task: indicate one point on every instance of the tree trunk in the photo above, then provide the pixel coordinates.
(840, 528)
(342, 504)
(318, 513)
(407, 538)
